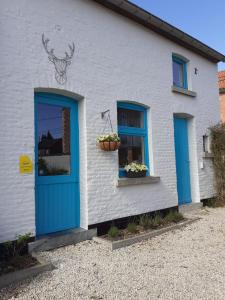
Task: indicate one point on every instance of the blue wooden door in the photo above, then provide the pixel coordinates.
(57, 163)
(182, 160)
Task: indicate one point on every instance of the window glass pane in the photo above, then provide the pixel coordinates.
(131, 149)
(54, 140)
(130, 118)
(178, 74)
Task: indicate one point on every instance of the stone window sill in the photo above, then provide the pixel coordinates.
(137, 181)
(207, 155)
(189, 93)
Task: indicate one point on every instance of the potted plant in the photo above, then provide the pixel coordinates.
(135, 170)
(108, 142)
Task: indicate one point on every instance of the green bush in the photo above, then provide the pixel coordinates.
(113, 231)
(132, 228)
(211, 202)
(173, 216)
(218, 151)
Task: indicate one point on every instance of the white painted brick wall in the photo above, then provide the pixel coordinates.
(115, 59)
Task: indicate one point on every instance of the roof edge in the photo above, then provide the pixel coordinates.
(145, 18)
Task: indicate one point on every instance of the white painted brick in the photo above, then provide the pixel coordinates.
(115, 59)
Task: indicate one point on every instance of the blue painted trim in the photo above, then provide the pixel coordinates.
(131, 106)
(132, 130)
(143, 132)
(184, 66)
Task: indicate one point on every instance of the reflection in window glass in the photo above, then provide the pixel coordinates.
(131, 150)
(130, 118)
(178, 74)
(54, 140)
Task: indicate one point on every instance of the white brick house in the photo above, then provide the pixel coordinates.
(122, 55)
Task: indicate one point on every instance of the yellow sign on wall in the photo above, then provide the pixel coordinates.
(26, 165)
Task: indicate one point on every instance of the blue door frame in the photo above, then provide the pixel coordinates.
(182, 160)
(57, 198)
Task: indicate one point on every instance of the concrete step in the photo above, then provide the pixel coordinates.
(190, 208)
(60, 239)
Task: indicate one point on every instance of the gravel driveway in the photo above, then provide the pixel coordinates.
(184, 264)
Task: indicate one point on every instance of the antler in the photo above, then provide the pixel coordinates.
(72, 48)
(45, 44)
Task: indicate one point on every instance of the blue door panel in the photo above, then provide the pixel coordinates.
(182, 160)
(57, 197)
(57, 207)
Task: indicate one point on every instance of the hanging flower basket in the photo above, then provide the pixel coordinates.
(135, 170)
(108, 142)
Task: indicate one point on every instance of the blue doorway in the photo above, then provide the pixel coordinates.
(57, 196)
(182, 160)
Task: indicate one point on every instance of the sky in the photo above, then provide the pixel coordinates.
(202, 19)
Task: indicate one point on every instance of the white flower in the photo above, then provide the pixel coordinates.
(135, 167)
(112, 137)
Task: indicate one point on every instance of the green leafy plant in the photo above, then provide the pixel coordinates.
(173, 217)
(132, 227)
(113, 231)
(21, 243)
(156, 221)
(145, 221)
(15, 248)
(211, 202)
(112, 137)
(135, 167)
(218, 151)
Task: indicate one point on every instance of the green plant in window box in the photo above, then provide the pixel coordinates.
(108, 142)
(135, 170)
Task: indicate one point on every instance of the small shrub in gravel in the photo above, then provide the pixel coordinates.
(113, 231)
(156, 221)
(132, 228)
(173, 217)
(145, 221)
(14, 254)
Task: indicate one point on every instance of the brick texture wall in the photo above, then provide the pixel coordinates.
(115, 59)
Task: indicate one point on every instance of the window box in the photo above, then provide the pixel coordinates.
(136, 174)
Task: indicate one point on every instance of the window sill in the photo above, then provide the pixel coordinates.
(177, 89)
(207, 155)
(137, 181)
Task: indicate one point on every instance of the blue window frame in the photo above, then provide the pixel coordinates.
(180, 72)
(133, 132)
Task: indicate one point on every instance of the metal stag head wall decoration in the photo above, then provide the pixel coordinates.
(59, 63)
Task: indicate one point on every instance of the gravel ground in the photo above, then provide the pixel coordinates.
(184, 264)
